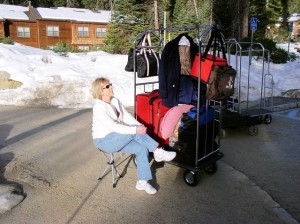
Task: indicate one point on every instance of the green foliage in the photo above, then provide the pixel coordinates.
(279, 56)
(59, 3)
(6, 40)
(5, 2)
(191, 13)
(96, 4)
(274, 10)
(293, 6)
(131, 17)
(223, 15)
(258, 9)
(128, 20)
(183, 16)
(292, 56)
(42, 3)
(280, 35)
(62, 49)
(95, 47)
(113, 39)
(296, 39)
(268, 44)
(204, 10)
(267, 12)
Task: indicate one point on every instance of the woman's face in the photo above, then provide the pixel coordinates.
(107, 90)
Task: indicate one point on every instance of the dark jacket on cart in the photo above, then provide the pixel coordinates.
(169, 72)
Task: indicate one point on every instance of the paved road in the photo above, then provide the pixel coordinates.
(49, 151)
(270, 159)
(293, 114)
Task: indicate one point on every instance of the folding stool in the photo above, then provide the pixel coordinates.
(111, 167)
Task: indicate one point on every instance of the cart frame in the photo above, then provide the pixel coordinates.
(208, 161)
(261, 112)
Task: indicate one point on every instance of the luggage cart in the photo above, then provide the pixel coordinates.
(241, 110)
(205, 152)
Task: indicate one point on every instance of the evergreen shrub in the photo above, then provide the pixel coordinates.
(6, 40)
(279, 56)
(62, 49)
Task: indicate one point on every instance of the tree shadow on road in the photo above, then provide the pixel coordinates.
(12, 191)
(4, 133)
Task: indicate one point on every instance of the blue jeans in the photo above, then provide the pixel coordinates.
(140, 145)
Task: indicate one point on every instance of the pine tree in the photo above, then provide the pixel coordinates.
(191, 13)
(293, 6)
(205, 12)
(285, 12)
(97, 4)
(59, 3)
(223, 15)
(128, 20)
(274, 10)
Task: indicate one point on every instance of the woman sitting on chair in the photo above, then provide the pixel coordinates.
(115, 129)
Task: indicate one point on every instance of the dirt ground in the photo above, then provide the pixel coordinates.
(9, 84)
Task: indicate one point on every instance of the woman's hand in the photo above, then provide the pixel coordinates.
(141, 129)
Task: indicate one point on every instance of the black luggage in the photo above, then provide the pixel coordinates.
(186, 144)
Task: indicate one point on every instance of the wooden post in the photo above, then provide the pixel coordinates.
(156, 15)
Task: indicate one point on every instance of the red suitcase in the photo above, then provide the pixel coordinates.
(159, 111)
(149, 111)
(143, 109)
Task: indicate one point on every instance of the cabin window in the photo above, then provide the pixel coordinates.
(23, 31)
(83, 47)
(83, 31)
(52, 31)
(100, 32)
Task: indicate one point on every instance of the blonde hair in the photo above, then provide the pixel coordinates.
(97, 87)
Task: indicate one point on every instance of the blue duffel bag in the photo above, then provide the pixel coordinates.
(188, 120)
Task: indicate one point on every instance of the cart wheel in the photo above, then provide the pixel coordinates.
(253, 130)
(134, 160)
(268, 119)
(211, 168)
(190, 178)
(223, 133)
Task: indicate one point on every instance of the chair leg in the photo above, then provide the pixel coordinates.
(111, 167)
(109, 161)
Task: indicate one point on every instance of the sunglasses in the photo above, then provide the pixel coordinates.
(107, 86)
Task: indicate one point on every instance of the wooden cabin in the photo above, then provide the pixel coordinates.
(45, 27)
(16, 24)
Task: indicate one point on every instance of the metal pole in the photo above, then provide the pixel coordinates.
(250, 55)
(290, 31)
(165, 26)
(289, 42)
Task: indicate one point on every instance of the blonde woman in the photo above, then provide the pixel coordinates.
(114, 128)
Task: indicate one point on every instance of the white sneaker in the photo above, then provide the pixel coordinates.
(144, 185)
(162, 155)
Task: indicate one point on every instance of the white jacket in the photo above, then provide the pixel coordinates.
(105, 119)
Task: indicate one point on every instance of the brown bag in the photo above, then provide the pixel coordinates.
(221, 83)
